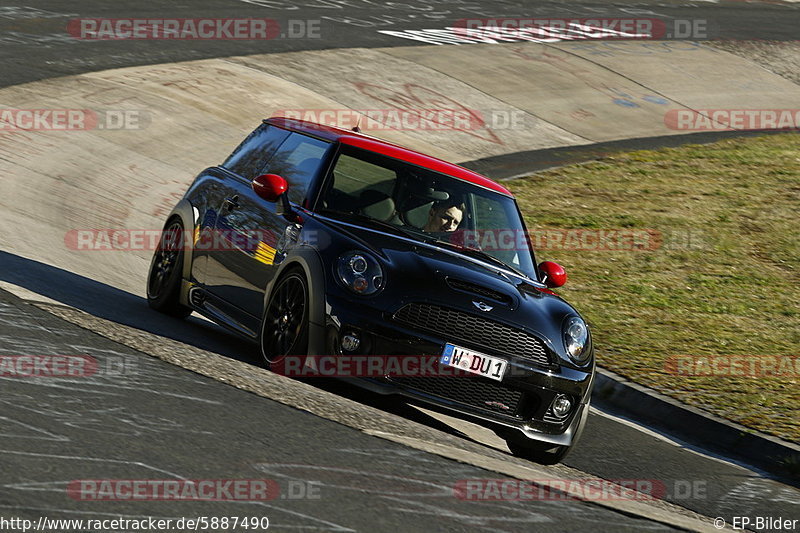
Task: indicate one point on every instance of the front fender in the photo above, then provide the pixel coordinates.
(309, 260)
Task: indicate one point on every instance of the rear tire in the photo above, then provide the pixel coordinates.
(166, 272)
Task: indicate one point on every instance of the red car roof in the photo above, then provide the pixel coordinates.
(373, 144)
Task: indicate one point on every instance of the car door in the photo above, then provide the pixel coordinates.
(206, 196)
(248, 228)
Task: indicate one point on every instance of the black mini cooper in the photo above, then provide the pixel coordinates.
(317, 241)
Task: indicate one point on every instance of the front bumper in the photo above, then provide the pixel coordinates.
(520, 402)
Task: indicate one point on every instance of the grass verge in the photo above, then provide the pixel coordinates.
(722, 279)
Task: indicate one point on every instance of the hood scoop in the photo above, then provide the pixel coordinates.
(478, 290)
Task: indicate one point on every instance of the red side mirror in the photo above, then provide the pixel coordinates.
(270, 187)
(553, 274)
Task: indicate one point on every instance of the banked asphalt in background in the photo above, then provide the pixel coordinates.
(192, 114)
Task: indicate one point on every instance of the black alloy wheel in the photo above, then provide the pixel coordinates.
(164, 280)
(284, 330)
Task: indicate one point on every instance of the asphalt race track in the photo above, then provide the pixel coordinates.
(355, 461)
(36, 46)
(149, 419)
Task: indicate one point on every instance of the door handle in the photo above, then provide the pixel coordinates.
(231, 203)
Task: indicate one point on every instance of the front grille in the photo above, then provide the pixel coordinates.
(454, 325)
(478, 290)
(475, 392)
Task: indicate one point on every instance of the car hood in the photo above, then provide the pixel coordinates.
(421, 273)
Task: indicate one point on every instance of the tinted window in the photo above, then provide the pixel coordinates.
(418, 202)
(354, 176)
(297, 161)
(498, 233)
(250, 157)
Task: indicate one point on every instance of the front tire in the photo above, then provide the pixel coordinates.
(166, 270)
(284, 329)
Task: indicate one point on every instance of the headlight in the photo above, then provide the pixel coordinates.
(360, 272)
(576, 336)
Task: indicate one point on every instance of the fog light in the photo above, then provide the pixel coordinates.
(561, 406)
(350, 343)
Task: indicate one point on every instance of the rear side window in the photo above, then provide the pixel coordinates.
(298, 161)
(249, 159)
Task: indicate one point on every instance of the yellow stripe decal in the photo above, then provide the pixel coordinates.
(265, 253)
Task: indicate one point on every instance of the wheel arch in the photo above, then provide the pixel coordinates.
(307, 260)
(188, 215)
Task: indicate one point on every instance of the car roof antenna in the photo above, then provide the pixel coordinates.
(357, 129)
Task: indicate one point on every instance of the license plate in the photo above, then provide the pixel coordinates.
(474, 362)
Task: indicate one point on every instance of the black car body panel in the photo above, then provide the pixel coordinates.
(477, 303)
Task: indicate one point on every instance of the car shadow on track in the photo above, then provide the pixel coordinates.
(115, 305)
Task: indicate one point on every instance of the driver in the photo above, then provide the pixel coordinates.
(445, 216)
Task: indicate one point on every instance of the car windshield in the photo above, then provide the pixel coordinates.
(427, 206)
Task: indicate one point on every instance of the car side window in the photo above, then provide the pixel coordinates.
(298, 161)
(354, 176)
(252, 154)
